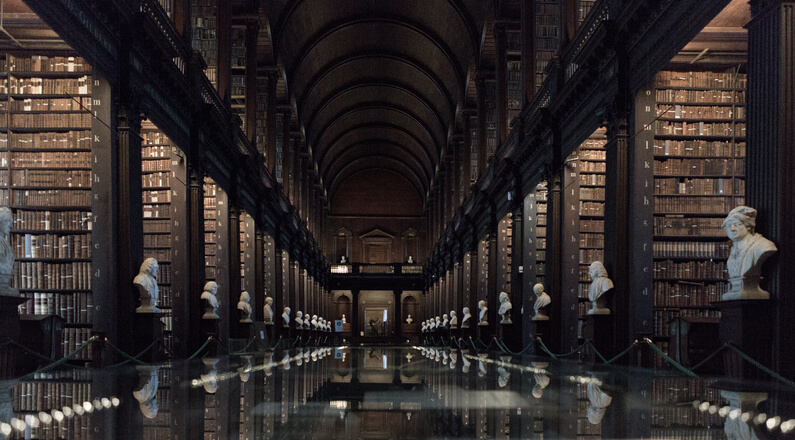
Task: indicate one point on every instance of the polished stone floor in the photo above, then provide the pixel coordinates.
(385, 393)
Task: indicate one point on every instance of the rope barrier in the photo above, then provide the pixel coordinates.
(760, 366)
(708, 358)
(27, 350)
(62, 361)
(130, 358)
(595, 350)
(206, 343)
(668, 359)
(618, 356)
(555, 356)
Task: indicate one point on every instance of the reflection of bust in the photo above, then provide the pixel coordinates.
(736, 428)
(465, 319)
(453, 319)
(286, 316)
(600, 284)
(505, 309)
(268, 310)
(147, 286)
(749, 252)
(147, 394)
(409, 320)
(6, 253)
(599, 401)
(244, 306)
(483, 319)
(504, 376)
(542, 300)
(542, 381)
(210, 311)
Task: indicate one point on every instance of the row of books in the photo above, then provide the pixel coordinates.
(46, 198)
(690, 249)
(51, 245)
(157, 240)
(157, 152)
(155, 137)
(75, 308)
(697, 205)
(699, 128)
(44, 63)
(685, 433)
(73, 139)
(710, 80)
(151, 226)
(593, 167)
(46, 86)
(592, 193)
(678, 111)
(694, 186)
(161, 255)
(663, 318)
(51, 120)
(687, 294)
(592, 179)
(46, 178)
(74, 338)
(700, 148)
(701, 96)
(677, 390)
(52, 276)
(78, 103)
(26, 220)
(165, 299)
(672, 417)
(592, 208)
(670, 270)
(156, 180)
(157, 211)
(699, 167)
(45, 396)
(51, 159)
(591, 226)
(588, 256)
(692, 226)
(156, 165)
(592, 240)
(157, 196)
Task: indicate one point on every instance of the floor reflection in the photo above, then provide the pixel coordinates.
(387, 392)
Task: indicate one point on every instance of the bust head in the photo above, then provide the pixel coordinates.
(538, 289)
(503, 297)
(286, 311)
(452, 313)
(299, 314)
(211, 286)
(268, 300)
(481, 304)
(466, 311)
(740, 223)
(150, 267)
(244, 297)
(597, 270)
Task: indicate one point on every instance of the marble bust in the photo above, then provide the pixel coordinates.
(465, 319)
(505, 308)
(146, 395)
(445, 320)
(343, 319)
(211, 307)
(314, 322)
(599, 286)
(299, 320)
(286, 316)
(244, 305)
(542, 300)
(749, 252)
(6, 253)
(599, 401)
(146, 283)
(453, 319)
(268, 310)
(410, 260)
(483, 317)
(438, 323)
(409, 319)
(423, 327)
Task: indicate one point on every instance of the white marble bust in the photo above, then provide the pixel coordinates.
(146, 283)
(483, 317)
(146, 395)
(599, 286)
(409, 319)
(6, 253)
(542, 300)
(505, 308)
(211, 307)
(465, 319)
(313, 321)
(438, 323)
(423, 327)
(599, 401)
(749, 252)
(245, 307)
(343, 319)
(286, 317)
(268, 310)
(453, 319)
(299, 320)
(445, 320)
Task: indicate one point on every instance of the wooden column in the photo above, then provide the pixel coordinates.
(527, 259)
(182, 20)
(252, 30)
(258, 274)
(770, 157)
(278, 293)
(270, 120)
(528, 50)
(518, 336)
(196, 261)
(480, 84)
(224, 30)
(502, 83)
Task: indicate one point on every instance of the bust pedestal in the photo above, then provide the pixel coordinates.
(147, 328)
(540, 330)
(747, 324)
(209, 327)
(599, 330)
(10, 327)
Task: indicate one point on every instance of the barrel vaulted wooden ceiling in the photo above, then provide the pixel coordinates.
(375, 84)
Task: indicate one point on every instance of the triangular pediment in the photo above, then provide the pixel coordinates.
(376, 233)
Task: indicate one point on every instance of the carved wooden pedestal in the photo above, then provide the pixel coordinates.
(147, 329)
(748, 325)
(209, 328)
(599, 330)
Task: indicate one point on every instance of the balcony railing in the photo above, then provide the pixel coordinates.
(376, 269)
